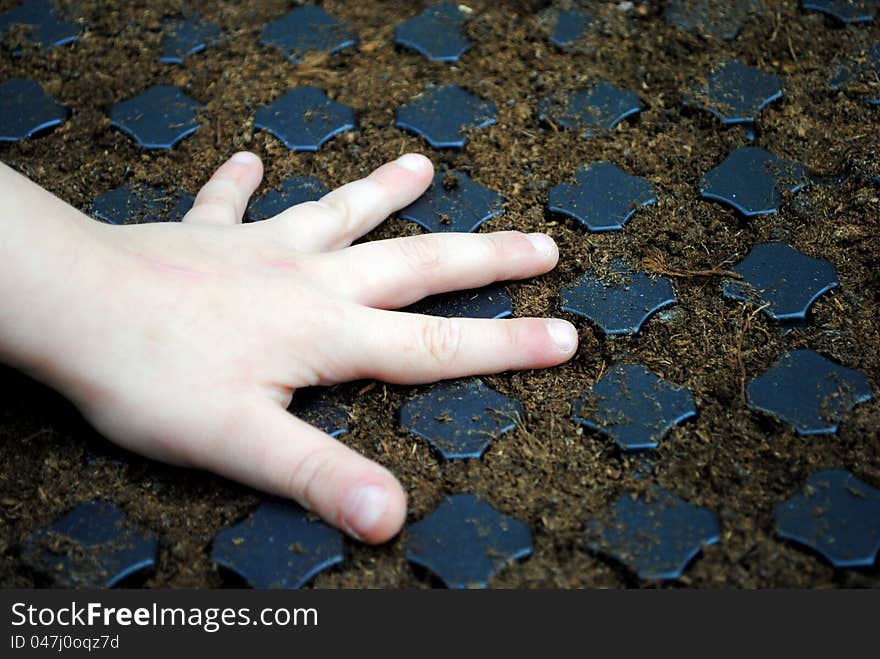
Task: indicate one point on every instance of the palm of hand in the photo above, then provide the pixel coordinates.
(225, 321)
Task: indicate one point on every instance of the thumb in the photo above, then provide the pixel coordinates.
(223, 199)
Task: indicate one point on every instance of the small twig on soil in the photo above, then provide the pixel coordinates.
(655, 263)
(369, 386)
(740, 357)
(313, 66)
(39, 433)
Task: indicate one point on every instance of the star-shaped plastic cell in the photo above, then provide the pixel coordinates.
(808, 392)
(752, 181)
(846, 11)
(736, 93)
(304, 118)
(465, 542)
(185, 37)
(782, 278)
(436, 33)
(570, 26)
(860, 73)
(92, 546)
(633, 407)
(158, 118)
(314, 406)
(444, 115)
(460, 418)
(721, 19)
(655, 535)
(308, 29)
(491, 301)
(137, 203)
(292, 191)
(42, 23)
(619, 302)
(836, 515)
(278, 546)
(26, 110)
(603, 196)
(592, 109)
(454, 202)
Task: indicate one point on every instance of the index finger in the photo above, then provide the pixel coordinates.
(349, 212)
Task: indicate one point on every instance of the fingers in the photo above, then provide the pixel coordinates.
(393, 273)
(408, 348)
(349, 212)
(279, 453)
(223, 199)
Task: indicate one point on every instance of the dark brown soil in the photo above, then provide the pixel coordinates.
(549, 473)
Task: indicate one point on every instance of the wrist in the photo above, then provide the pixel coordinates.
(49, 255)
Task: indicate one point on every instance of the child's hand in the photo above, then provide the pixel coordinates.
(191, 337)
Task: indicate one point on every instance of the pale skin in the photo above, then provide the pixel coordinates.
(185, 342)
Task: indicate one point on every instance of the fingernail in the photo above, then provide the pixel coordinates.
(365, 506)
(563, 334)
(412, 161)
(542, 243)
(244, 157)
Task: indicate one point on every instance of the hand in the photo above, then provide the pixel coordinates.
(190, 338)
